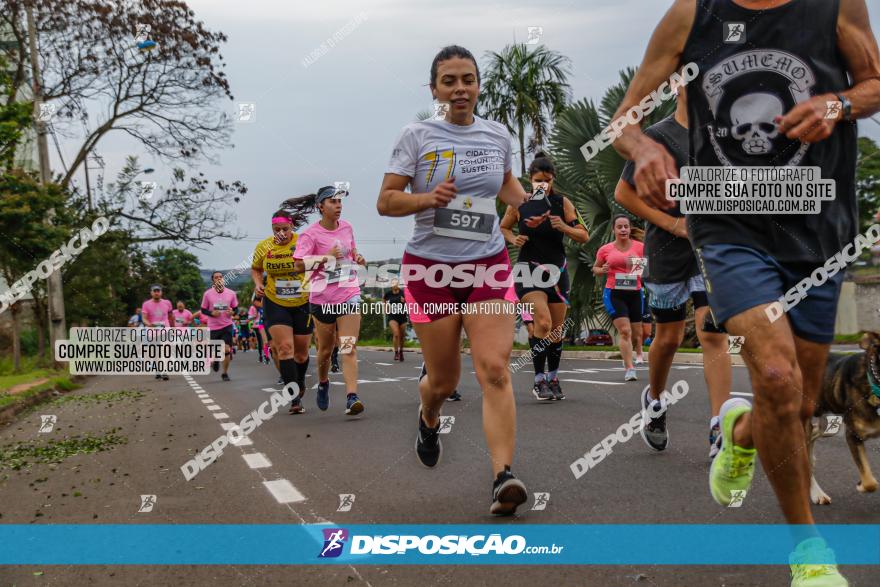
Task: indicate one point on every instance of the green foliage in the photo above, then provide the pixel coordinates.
(178, 273)
(25, 240)
(868, 182)
(372, 325)
(100, 398)
(525, 88)
(23, 454)
(15, 118)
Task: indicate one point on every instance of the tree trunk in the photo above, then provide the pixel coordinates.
(41, 314)
(16, 337)
(41, 340)
(522, 149)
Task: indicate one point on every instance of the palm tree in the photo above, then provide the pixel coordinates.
(590, 187)
(525, 89)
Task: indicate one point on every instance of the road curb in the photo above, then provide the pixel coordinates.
(10, 412)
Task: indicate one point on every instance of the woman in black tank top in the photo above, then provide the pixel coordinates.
(541, 276)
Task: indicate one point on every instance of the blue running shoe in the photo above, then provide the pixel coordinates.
(323, 395)
(353, 406)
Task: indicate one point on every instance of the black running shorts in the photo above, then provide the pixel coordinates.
(297, 317)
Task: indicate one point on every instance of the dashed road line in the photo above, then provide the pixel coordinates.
(283, 491)
(256, 460)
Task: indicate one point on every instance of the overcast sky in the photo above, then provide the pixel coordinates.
(337, 118)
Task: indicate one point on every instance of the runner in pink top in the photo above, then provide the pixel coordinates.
(218, 305)
(326, 251)
(156, 313)
(182, 316)
(330, 286)
(156, 310)
(622, 261)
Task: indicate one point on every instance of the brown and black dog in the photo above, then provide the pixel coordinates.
(847, 392)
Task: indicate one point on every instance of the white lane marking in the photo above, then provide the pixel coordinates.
(203, 396)
(256, 460)
(207, 401)
(214, 407)
(592, 381)
(242, 441)
(221, 416)
(383, 364)
(283, 491)
(228, 425)
(745, 393)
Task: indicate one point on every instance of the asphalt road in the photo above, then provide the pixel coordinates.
(293, 469)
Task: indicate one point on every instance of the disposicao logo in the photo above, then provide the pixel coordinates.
(334, 540)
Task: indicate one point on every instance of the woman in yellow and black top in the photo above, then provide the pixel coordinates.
(285, 301)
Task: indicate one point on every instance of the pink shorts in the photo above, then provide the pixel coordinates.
(427, 300)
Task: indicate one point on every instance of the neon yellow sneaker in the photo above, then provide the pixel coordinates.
(733, 467)
(813, 565)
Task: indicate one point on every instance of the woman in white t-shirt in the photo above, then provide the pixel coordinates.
(457, 167)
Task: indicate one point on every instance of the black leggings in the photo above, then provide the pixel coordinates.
(258, 332)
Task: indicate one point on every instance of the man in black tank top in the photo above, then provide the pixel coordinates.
(779, 84)
(671, 277)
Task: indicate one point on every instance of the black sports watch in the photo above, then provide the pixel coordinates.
(846, 106)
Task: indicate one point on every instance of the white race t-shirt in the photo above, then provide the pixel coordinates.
(478, 156)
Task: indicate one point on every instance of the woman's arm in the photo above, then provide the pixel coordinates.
(394, 201)
(601, 267)
(627, 197)
(512, 192)
(578, 233)
(511, 217)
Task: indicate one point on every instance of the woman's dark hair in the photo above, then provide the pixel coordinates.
(215, 273)
(450, 52)
(298, 209)
(618, 217)
(542, 164)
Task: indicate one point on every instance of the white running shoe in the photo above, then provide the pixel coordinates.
(630, 375)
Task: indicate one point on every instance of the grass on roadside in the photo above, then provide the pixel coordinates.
(58, 381)
(106, 397)
(28, 363)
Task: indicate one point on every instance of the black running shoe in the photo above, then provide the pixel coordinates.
(334, 366)
(455, 397)
(164, 378)
(281, 381)
(508, 493)
(224, 377)
(158, 376)
(542, 392)
(215, 366)
(296, 407)
(556, 389)
(428, 445)
(654, 431)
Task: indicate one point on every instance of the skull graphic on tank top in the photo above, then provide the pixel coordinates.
(746, 92)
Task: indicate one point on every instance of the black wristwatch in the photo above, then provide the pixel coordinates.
(846, 106)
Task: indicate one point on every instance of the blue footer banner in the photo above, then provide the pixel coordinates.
(420, 544)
